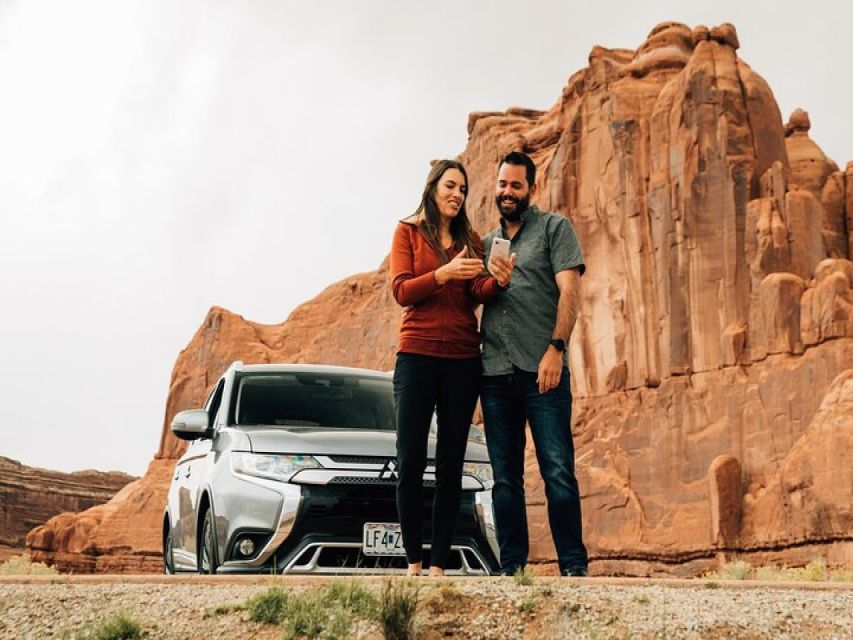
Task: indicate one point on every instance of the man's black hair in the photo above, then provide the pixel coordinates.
(521, 159)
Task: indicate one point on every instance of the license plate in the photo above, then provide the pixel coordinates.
(382, 539)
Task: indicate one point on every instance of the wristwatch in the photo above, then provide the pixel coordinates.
(559, 344)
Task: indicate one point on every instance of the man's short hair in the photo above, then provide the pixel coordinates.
(524, 160)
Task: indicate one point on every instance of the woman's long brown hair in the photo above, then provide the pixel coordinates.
(460, 227)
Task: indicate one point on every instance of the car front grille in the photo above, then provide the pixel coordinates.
(344, 507)
(387, 482)
(347, 558)
(360, 459)
(377, 460)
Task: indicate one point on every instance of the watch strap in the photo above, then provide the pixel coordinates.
(559, 344)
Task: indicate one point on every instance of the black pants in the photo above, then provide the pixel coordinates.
(423, 384)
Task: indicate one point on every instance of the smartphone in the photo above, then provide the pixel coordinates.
(500, 247)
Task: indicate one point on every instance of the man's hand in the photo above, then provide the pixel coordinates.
(501, 268)
(551, 364)
(550, 369)
(460, 268)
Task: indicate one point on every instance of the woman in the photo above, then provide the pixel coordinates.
(437, 276)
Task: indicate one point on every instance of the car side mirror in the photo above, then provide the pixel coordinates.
(191, 424)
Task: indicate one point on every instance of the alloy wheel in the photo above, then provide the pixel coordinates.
(208, 546)
(168, 554)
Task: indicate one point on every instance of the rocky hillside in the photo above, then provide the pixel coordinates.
(712, 358)
(30, 497)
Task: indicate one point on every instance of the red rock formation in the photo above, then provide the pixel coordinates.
(30, 496)
(121, 536)
(717, 309)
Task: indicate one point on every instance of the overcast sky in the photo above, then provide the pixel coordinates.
(160, 157)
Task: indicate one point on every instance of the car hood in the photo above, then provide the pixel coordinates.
(343, 442)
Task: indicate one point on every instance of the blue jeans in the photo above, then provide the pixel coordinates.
(508, 401)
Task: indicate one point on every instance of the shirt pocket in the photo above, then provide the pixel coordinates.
(533, 254)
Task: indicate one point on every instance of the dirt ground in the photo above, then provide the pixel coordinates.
(172, 607)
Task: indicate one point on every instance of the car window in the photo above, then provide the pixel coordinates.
(313, 400)
(213, 402)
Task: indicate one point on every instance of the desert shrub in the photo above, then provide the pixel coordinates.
(23, 565)
(268, 607)
(530, 603)
(354, 598)
(768, 573)
(327, 614)
(398, 605)
(117, 626)
(224, 609)
(524, 577)
(841, 575)
(815, 571)
(306, 617)
(738, 570)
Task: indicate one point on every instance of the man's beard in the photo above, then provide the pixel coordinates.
(513, 214)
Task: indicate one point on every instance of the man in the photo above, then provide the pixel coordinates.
(526, 376)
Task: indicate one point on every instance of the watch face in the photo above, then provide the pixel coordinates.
(558, 344)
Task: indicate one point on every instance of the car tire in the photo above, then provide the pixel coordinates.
(207, 546)
(168, 554)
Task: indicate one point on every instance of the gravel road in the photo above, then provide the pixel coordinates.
(167, 608)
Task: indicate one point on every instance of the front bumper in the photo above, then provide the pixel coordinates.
(320, 532)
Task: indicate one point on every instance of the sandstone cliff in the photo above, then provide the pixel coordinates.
(30, 497)
(711, 360)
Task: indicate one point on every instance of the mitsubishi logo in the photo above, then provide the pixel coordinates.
(389, 471)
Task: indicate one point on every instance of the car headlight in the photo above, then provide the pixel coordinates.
(273, 466)
(482, 471)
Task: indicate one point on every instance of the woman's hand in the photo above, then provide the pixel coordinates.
(460, 268)
(501, 268)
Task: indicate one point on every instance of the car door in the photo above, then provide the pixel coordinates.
(188, 479)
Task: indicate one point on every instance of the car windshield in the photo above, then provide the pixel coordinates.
(313, 400)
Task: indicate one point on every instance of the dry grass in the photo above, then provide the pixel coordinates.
(815, 571)
(398, 605)
(524, 577)
(117, 626)
(23, 566)
(328, 613)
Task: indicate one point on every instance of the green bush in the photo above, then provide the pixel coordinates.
(268, 607)
(354, 598)
(306, 617)
(326, 614)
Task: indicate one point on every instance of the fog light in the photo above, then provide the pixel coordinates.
(246, 547)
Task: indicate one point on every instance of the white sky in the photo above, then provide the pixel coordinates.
(160, 157)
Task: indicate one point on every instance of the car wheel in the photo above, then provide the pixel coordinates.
(207, 546)
(168, 554)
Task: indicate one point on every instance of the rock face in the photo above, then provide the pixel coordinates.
(30, 496)
(712, 357)
(120, 536)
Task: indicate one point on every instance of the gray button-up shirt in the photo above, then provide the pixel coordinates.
(518, 325)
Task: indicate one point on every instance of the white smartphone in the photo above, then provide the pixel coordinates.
(500, 247)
